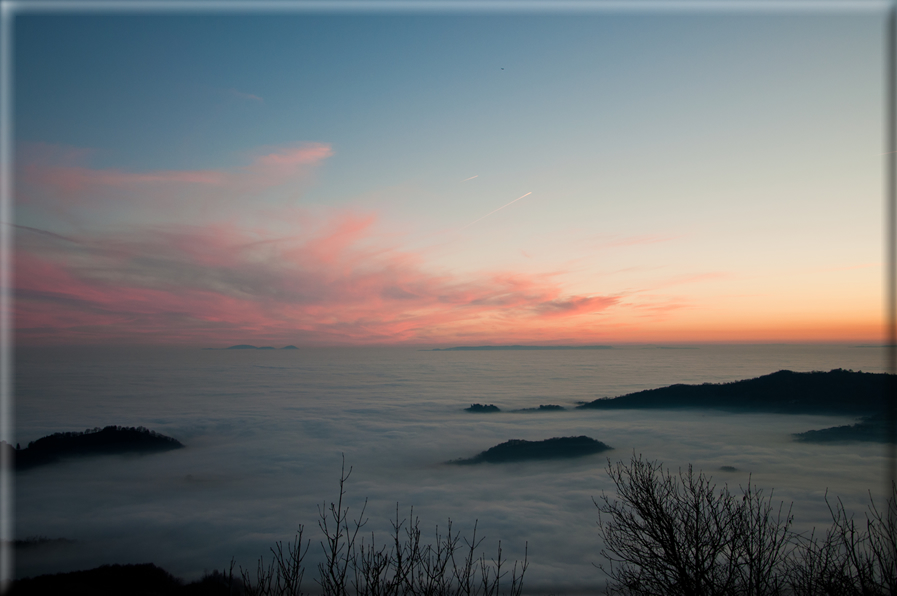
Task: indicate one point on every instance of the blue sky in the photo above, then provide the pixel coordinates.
(693, 176)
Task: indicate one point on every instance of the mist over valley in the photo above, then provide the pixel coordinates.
(265, 432)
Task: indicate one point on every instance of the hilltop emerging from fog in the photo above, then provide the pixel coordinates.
(108, 440)
(835, 392)
(520, 450)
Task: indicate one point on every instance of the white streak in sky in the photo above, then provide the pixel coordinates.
(471, 178)
(499, 209)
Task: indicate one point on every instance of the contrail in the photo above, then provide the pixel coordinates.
(499, 209)
(471, 178)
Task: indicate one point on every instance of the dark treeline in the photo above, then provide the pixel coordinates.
(114, 580)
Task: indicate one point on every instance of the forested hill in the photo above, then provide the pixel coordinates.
(97, 441)
(835, 392)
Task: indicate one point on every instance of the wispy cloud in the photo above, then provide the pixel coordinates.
(329, 283)
(54, 178)
(216, 256)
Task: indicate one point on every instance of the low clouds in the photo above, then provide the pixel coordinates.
(265, 431)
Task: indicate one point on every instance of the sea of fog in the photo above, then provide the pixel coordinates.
(265, 432)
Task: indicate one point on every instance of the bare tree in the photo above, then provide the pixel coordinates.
(339, 541)
(403, 566)
(851, 558)
(677, 534)
(762, 542)
(283, 576)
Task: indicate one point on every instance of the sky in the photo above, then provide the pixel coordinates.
(414, 178)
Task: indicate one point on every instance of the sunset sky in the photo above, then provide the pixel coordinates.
(448, 179)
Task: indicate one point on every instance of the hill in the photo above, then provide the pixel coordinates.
(482, 409)
(543, 408)
(835, 392)
(870, 429)
(519, 450)
(108, 440)
(112, 580)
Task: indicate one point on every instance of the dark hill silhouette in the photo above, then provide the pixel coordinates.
(251, 347)
(520, 450)
(544, 408)
(108, 440)
(113, 580)
(872, 429)
(482, 409)
(836, 392)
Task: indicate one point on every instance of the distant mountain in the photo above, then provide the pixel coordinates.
(108, 440)
(516, 347)
(250, 347)
(835, 392)
(519, 450)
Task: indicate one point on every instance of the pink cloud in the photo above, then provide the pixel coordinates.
(219, 284)
(54, 175)
(289, 158)
(75, 180)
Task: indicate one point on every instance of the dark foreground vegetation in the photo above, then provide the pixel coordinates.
(117, 580)
(520, 450)
(835, 392)
(354, 564)
(404, 565)
(671, 534)
(664, 534)
(97, 441)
